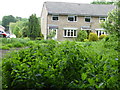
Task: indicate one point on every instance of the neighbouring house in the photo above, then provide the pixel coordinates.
(2, 28)
(66, 19)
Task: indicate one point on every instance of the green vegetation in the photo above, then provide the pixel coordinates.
(93, 37)
(20, 28)
(51, 64)
(102, 36)
(6, 21)
(34, 27)
(102, 2)
(7, 43)
(81, 35)
(69, 64)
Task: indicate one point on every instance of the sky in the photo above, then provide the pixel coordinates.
(25, 8)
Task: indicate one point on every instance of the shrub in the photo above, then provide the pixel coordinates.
(82, 34)
(9, 45)
(61, 65)
(18, 44)
(86, 40)
(5, 47)
(102, 36)
(93, 37)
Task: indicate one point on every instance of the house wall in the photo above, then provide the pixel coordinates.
(64, 23)
(44, 21)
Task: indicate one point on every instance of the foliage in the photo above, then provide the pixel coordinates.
(102, 2)
(52, 34)
(86, 40)
(6, 20)
(20, 28)
(7, 43)
(81, 35)
(51, 64)
(4, 47)
(102, 36)
(93, 37)
(34, 27)
(112, 24)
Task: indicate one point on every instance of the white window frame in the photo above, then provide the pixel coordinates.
(69, 30)
(55, 16)
(102, 18)
(101, 31)
(73, 16)
(87, 17)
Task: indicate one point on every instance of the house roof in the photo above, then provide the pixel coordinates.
(65, 8)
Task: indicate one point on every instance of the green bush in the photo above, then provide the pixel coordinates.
(5, 48)
(86, 40)
(17, 44)
(81, 35)
(93, 37)
(10, 45)
(61, 65)
(102, 36)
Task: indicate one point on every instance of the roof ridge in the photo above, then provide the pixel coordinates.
(78, 3)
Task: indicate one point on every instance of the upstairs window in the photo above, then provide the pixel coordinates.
(88, 19)
(55, 17)
(72, 18)
(102, 19)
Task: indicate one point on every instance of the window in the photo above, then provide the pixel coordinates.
(87, 19)
(70, 33)
(72, 18)
(55, 17)
(102, 19)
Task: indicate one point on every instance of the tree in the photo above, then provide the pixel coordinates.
(112, 24)
(6, 21)
(20, 28)
(34, 27)
(102, 2)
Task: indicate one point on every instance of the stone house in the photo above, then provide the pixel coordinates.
(66, 19)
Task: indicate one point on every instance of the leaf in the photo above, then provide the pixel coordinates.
(84, 76)
(100, 84)
(91, 81)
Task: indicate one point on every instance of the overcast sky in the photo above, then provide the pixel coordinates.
(24, 8)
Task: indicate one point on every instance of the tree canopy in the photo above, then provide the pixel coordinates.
(6, 21)
(34, 27)
(102, 2)
(112, 24)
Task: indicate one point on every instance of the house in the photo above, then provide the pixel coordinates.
(2, 28)
(66, 19)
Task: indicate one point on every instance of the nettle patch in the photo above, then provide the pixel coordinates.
(52, 64)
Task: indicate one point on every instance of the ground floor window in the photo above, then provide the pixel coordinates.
(101, 32)
(70, 33)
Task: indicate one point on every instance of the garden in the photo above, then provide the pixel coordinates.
(69, 64)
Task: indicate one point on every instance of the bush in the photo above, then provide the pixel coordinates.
(5, 47)
(86, 40)
(82, 34)
(93, 37)
(102, 36)
(61, 65)
(17, 44)
(9, 45)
